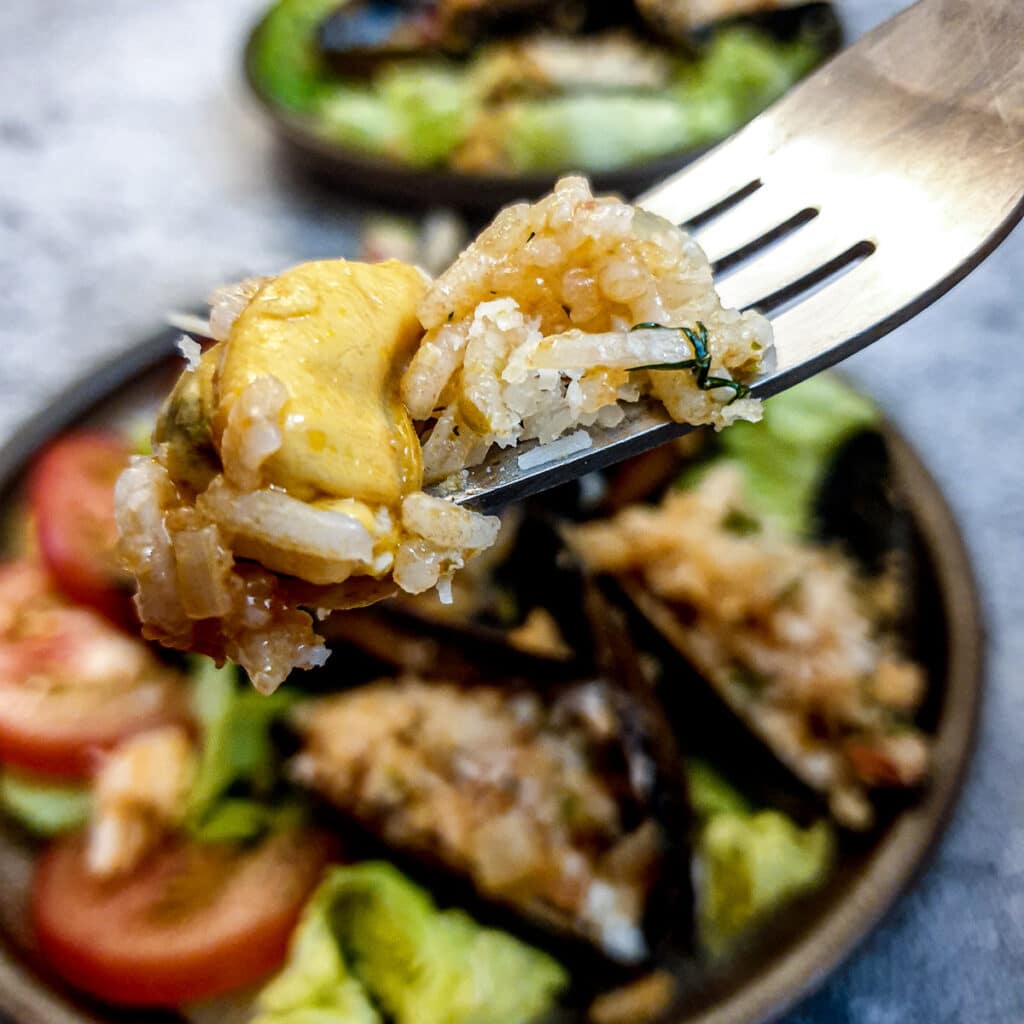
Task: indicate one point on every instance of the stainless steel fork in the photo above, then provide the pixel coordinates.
(845, 209)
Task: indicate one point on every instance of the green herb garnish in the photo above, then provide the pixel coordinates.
(741, 523)
(700, 364)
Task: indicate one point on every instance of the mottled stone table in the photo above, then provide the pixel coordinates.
(134, 175)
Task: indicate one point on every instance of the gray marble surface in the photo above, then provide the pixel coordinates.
(134, 174)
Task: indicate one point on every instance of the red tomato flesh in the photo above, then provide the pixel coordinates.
(191, 922)
(71, 684)
(71, 490)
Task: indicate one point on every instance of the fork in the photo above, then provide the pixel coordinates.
(842, 211)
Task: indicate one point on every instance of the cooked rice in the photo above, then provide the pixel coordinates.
(783, 629)
(528, 333)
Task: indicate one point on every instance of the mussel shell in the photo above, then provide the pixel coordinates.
(673, 21)
(361, 34)
(401, 641)
(857, 504)
(708, 726)
(656, 767)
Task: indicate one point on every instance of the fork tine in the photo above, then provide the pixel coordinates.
(702, 185)
(863, 304)
(806, 250)
(762, 214)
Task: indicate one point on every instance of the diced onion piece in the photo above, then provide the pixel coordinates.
(577, 350)
(578, 441)
(204, 567)
(142, 492)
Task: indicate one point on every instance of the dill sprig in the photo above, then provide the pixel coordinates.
(700, 364)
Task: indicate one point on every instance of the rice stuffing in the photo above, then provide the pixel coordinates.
(290, 460)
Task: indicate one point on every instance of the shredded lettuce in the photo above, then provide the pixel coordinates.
(44, 808)
(749, 863)
(783, 457)
(369, 938)
(235, 753)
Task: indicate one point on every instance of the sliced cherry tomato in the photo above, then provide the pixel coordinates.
(71, 684)
(71, 489)
(192, 921)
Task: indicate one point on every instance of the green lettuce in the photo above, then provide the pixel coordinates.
(286, 60)
(783, 457)
(358, 116)
(44, 808)
(418, 112)
(750, 862)
(596, 131)
(432, 106)
(740, 73)
(236, 754)
(371, 938)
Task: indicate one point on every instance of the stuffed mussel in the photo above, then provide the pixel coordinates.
(560, 798)
(797, 636)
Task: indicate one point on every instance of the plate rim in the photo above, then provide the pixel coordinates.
(897, 861)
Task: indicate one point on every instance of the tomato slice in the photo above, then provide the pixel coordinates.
(192, 921)
(71, 490)
(71, 684)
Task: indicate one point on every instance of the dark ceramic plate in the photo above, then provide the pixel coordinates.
(782, 962)
(389, 179)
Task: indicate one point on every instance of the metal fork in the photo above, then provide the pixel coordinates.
(843, 210)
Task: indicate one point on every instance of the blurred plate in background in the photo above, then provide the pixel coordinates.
(394, 131)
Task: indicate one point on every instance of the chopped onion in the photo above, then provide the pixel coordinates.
(578, 441)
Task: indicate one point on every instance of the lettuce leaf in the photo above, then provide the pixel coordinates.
(236, 752)
(44, 808)
(596, 131)
(286, 60)
(783, 457)
(741, 72)
(371, 938)
(749, 863)
(432, 106)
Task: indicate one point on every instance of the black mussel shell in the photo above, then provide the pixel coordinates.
(359, 35)
(704, 723)
(670, 21)
(399, 640)
(857, 504)
(655, 765)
